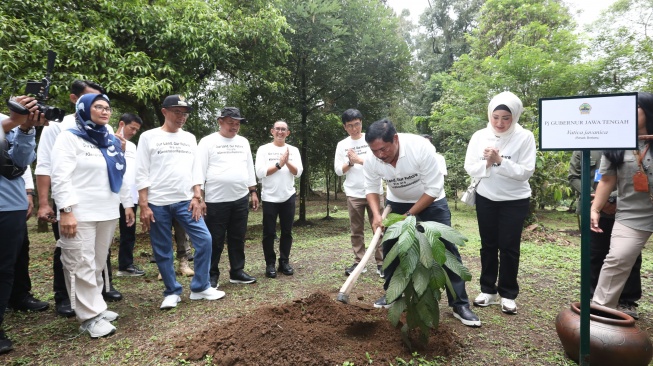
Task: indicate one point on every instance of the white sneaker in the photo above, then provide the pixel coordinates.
(508, 306)
(484, 299)
(97, 327)
(109, 315)
(170, 302)
(208, 294)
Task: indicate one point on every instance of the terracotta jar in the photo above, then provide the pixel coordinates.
(614, 338)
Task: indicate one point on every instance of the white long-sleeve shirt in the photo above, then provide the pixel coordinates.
(47, 140)
(509, 181)
(416, 172)
(28, 178)
(280, 185)
(80, 179)
(130, 170)
(354, 177)
(225, 166)
(164, 165)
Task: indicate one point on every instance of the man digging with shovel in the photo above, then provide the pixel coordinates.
(416, 188)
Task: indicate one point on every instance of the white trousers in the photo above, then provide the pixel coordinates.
(625, 245)
(84, 258)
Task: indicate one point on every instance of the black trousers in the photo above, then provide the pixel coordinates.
(500, 225)
(599, 248)
(12, 227)
(22, 282)
(227, 219)
(127, 240)
(286, 213)
(438, 211)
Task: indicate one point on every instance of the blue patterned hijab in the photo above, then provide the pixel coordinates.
(99, 136)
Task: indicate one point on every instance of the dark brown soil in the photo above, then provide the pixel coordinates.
(316, 330)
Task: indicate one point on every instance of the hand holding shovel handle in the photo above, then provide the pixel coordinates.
(343, 295)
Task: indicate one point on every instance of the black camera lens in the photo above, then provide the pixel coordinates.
(52, 113)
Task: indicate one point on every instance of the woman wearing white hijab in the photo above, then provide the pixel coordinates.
(502, 156)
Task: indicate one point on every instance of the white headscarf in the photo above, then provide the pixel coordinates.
(513, 103)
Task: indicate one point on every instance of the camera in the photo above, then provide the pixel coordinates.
(41, 89)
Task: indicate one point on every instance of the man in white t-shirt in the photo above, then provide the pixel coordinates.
(46, 212)
(167, 190)
(128, 126)
(277, 165)
(225, 167)
(350, 157)
(415, 183)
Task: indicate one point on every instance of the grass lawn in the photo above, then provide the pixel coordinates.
(549, 279)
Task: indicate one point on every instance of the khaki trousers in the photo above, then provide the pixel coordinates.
(625, 245)
(84, 257)
(357, 208)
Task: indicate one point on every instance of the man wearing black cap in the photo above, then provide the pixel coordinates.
(167, 190)
(225, 167)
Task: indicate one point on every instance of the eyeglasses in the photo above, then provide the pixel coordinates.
(179, 113)
(352, 125)
(101, 109)
(281, 129)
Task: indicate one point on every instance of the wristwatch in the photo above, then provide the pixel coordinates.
(199, 198)
(350, 163)
(68, 209)
(278, 166)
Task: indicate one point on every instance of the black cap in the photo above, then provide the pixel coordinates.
(176, 101)
(232, 112)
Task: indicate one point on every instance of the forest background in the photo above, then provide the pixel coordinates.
(307, 61)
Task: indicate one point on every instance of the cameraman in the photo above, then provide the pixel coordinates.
(46, 212)
(20, 140)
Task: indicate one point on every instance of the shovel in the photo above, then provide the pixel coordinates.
(343, 295)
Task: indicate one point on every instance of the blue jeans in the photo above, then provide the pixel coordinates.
(161, 239)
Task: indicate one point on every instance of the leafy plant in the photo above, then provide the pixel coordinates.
(418, 281)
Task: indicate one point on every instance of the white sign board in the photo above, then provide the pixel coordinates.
(594, 122)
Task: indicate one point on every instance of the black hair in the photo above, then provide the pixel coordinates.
(350, 115)
(78, 87)
(131, 117)
(644, 101)
(383, 129)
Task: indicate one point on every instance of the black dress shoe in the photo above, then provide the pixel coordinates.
(112, 294)
(286, 269)
(241, 277)
(466, 316)
(270, 272)
(64, 309)
(5, 343)
(30, 303)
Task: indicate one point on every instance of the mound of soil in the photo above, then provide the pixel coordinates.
(316, 330)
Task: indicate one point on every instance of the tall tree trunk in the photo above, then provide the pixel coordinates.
(304, 180)
(328, 189)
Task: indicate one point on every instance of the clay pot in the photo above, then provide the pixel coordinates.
(614, 338)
